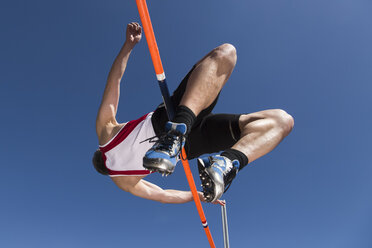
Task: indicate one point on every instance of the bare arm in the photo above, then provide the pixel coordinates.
(144, 189)
(107, 111)
(150, 191)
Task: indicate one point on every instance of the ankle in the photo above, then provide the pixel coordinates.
(233, 154)
(186, 116)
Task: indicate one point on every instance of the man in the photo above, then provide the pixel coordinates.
(127, 153)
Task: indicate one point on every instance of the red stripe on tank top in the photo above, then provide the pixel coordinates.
(128, 128)
(129, 172)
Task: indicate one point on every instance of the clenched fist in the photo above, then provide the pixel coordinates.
(134, 33)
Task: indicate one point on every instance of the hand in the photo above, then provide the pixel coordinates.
(134, 33)
(201, 197)
(221, 202)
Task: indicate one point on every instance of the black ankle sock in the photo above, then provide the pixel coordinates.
(233, 154)
(184, 115)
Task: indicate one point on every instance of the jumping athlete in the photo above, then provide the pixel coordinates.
(130, 151)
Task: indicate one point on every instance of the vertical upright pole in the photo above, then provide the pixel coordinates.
(160, 75)
(225, 227)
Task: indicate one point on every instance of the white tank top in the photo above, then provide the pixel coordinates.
(123, 154)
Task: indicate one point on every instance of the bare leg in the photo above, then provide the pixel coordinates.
(208, 78)
(262, 131)
(203, 86)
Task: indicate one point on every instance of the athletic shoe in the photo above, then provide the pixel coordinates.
(164, 154)
(216, 174)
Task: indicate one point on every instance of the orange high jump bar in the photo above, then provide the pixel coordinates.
(160, 75)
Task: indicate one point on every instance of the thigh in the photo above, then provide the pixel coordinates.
(216, 133)
(160, 117)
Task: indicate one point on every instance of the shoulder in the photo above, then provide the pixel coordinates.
(108, 131)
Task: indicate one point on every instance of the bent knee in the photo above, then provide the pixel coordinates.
(225, 53)
(227, 49)
(283, 120)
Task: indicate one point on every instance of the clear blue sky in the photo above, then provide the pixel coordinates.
(311, 58)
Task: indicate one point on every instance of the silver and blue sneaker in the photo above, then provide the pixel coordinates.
(216, 174)
(164, 154)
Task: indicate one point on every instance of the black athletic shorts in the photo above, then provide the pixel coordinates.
(209, 134)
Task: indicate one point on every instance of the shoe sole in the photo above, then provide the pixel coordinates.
(207, 182)
(159, 165)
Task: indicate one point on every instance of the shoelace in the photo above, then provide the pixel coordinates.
(165, 141)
